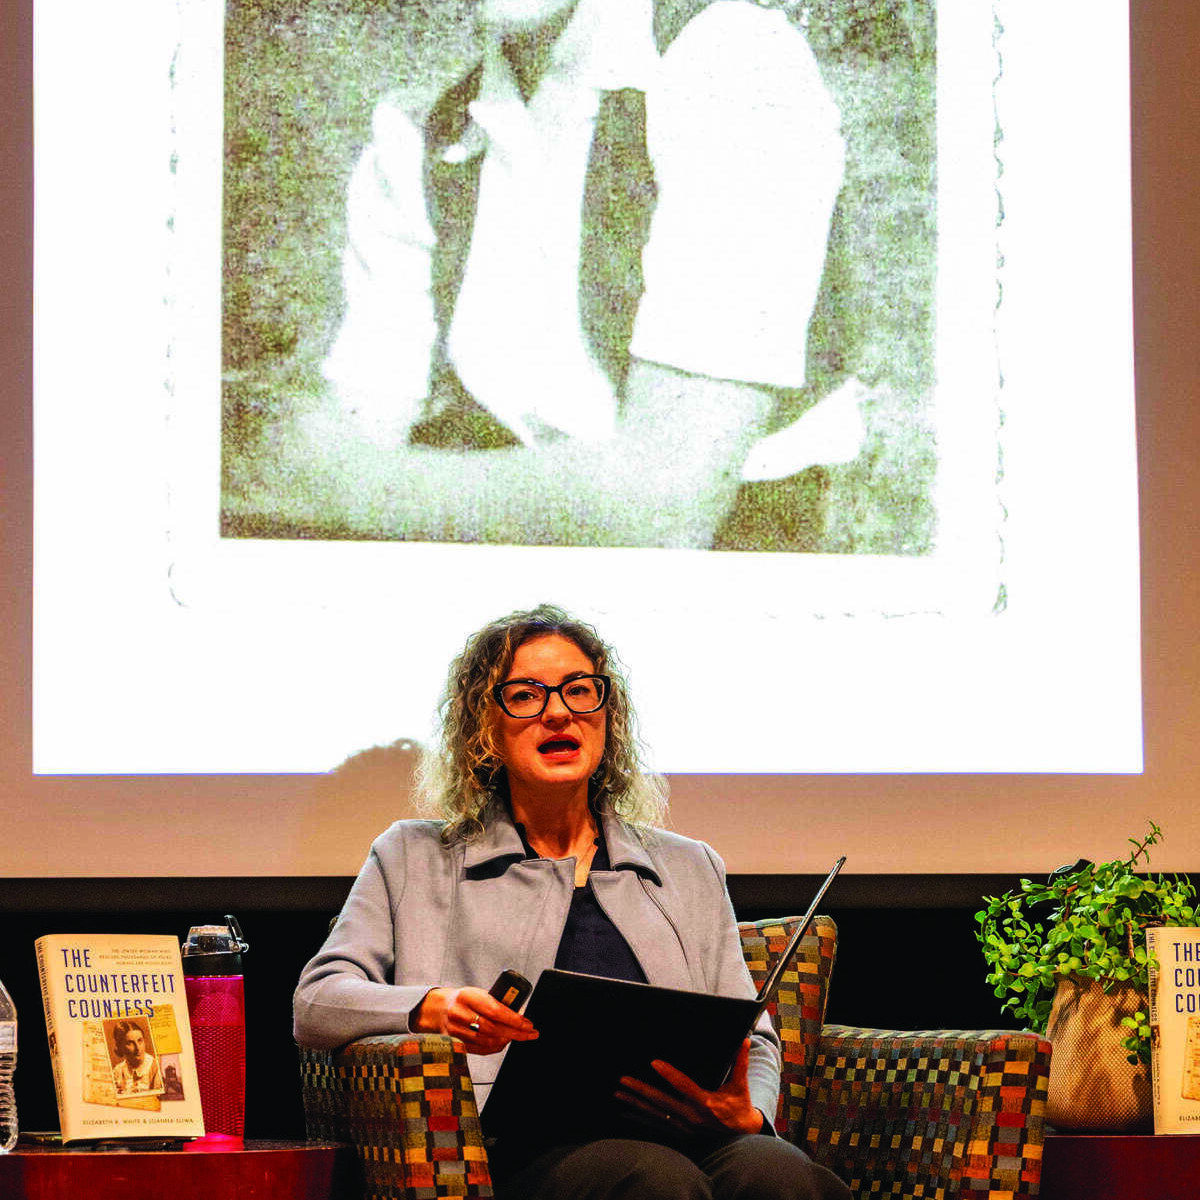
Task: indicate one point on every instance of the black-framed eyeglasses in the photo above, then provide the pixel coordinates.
(526, 698)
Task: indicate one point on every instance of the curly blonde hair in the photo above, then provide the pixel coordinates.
(462, 779)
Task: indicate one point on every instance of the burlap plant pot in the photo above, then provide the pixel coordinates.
(1093, 1086)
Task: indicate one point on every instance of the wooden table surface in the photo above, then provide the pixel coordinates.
(253, 1170)
(1121, 1166)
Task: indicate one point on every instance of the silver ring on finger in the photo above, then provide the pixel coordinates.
(474, 1027)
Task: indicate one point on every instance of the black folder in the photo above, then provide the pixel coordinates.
(593, 1030)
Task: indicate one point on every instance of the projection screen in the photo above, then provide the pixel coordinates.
(969, 604)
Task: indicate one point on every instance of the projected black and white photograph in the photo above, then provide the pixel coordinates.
(584, 273)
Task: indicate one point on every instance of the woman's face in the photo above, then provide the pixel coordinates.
(559, 748)
(134, 1049)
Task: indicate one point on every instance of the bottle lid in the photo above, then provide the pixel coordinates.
(214, 949)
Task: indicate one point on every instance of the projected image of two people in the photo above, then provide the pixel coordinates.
(580, 272)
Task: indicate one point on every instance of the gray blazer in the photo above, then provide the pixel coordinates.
(423, 915)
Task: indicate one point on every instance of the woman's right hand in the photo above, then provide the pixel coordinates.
(479, 1021)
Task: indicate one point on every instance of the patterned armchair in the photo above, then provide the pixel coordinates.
(941, 1114)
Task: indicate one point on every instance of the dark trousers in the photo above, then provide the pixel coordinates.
(755, 1167)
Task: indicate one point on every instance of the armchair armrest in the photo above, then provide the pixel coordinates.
(407, 1104)
(941, 1113)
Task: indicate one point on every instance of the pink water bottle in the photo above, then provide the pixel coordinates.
(213, 981)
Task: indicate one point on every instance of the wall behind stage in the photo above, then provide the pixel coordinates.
(320, 825)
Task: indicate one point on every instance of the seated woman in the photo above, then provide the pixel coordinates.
(538, 761)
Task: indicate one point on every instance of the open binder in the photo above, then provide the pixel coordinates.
(595, 1030)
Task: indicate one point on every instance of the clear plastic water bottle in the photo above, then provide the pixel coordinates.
(8, 1065)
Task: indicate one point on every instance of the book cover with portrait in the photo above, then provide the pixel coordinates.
(120, 1038)
(1175, 1028)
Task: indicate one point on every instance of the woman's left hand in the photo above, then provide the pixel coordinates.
(689, 1106)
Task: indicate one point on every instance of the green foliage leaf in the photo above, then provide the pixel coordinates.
(1089, 922)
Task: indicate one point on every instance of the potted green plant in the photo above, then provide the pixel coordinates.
(1068, 956)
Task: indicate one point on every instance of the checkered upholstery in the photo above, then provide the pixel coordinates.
(798, 1009)
(939, 1114)
(407, 1104)
(949, 1115)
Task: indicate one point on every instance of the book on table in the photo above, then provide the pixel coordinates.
(1175, 1027)
(120, 1038)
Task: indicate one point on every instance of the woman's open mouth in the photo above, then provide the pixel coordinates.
(554, 747)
